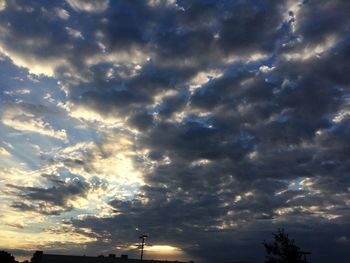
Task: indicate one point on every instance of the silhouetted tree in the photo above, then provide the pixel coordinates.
(283, 249)
(6, 257)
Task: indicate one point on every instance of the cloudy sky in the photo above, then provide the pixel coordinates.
(204, 124)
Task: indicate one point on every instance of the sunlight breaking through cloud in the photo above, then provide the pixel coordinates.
(203, 124)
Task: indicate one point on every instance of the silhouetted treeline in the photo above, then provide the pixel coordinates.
(6, 257)
(283, 249)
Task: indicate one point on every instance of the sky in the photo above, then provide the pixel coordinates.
(204, 124)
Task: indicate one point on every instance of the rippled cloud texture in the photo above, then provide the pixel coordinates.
(205, 124)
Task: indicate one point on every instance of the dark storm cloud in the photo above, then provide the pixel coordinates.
(251, 26)
(28, 37)
(261, 134)
(171, 104)
(218, 29)
(264, 145)
(130, 97)
(141, 120)
(318, 21)
(52, 200)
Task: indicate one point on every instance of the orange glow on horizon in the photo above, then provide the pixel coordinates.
(166, 249)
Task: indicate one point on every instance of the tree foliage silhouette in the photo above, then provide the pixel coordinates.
(6, 257)
(283, 249)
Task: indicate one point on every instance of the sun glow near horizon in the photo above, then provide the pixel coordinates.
(163, 249)
(168, 252)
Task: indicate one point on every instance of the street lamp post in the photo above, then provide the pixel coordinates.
(143, 237)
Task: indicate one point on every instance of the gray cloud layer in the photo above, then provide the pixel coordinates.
(263, 145)
(55, 199)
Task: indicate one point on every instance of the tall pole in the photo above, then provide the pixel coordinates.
(143, 237)
(142, 245)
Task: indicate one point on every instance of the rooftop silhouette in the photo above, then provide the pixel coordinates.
(41, 257)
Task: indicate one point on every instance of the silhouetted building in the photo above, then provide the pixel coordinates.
(40, 257)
